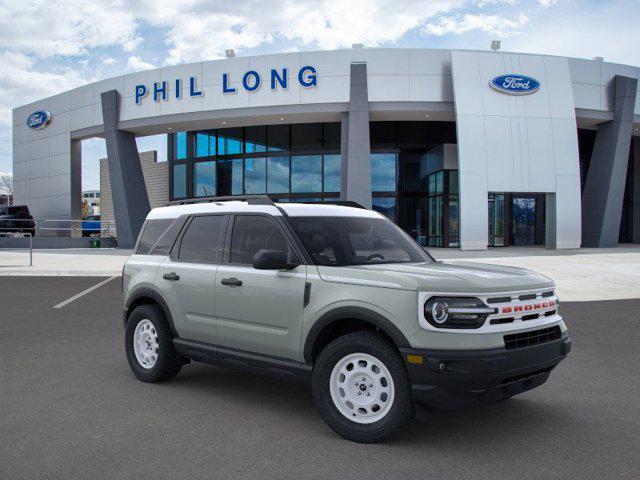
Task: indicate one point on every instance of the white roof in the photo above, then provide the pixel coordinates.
(292, 209)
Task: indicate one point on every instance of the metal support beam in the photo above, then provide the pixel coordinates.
(604, 187)
(355, 177)
(128, 190)
(635, 151)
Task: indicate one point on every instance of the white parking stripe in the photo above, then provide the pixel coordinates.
(84, 292)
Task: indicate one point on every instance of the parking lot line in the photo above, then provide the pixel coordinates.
(84, 292)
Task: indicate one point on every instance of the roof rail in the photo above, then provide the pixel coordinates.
(341, 203)
(250, 199)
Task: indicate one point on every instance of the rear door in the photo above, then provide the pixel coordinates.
(259, 311)
(187, 277)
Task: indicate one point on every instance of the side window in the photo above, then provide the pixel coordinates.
(152, 231)
(252, 233)
(168, 238)
(202, 242)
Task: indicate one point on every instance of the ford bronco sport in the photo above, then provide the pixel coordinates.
(338, 296)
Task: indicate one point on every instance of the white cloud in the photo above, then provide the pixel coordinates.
(136, 63)
(324, 24)
(46, 29)
(491, 24)
(547, 3)
(17, 85)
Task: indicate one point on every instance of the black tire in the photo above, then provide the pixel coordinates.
(378, 346)
(167, 364)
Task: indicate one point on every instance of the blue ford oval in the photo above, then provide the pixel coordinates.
(515, 84)
(38, 119)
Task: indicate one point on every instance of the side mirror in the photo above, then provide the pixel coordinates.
(272, 260)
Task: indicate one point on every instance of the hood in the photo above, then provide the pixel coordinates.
(459, 277)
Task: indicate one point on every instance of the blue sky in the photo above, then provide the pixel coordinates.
(50, 47)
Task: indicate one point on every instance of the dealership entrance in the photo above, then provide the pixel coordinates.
(516, 219)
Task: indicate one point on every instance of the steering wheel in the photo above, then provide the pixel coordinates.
(376, 255)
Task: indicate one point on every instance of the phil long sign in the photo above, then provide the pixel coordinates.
(515, 84)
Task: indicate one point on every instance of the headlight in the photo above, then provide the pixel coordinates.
(452, 312)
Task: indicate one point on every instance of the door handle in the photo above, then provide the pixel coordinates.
(232, 282)
(171, 276)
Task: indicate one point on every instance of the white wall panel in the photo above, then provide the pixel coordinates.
(329, 64)
(430, 62)
(60, 103)
(21, 152)
(430, 88)
(39, 207)
(510, 139)
(381, 61)
(39, 149)
(388, 88)
(212, 71)
(333, 89)
(500, 173)
(83, 117)
(20, 133)
(473, 149)
(39, 187)
(585, 71)
(81, 97)
(239, 99)
(467, 86)
(39, 168)
(587, 96)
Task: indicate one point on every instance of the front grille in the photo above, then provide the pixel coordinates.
(534, 337)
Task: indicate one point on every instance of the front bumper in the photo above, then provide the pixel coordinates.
(452, 379)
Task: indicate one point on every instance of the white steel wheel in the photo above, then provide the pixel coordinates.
(361, 388)
(145, 344)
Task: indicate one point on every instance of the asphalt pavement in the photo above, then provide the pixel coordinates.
(71, 409)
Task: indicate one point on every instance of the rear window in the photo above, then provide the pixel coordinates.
(151, 233)
(22, 209)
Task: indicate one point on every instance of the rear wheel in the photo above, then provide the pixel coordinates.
(361, 387)
(149, 345)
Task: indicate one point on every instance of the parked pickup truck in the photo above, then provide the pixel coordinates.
(17, 219)
(340, 297)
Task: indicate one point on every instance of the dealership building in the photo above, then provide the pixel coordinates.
(463, 149)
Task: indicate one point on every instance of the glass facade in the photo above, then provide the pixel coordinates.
(287, 162)
(410, 183)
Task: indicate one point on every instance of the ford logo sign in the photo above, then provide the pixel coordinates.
(38, 119)
(515, 84)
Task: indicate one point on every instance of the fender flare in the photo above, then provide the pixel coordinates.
(148, 292)
(355, 313)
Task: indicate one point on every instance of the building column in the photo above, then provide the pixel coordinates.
(635, 145)
(604, 187)
(355, 177)
(128, 190)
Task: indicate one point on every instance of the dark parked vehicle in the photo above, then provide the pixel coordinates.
(91, 225)
(17, 219)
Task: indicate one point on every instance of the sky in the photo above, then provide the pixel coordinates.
(49, 47)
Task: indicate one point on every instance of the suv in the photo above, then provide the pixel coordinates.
(17, 219)
(338, 296)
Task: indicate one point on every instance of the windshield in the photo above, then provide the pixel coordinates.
(340, 241)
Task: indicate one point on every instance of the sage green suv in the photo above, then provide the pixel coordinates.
(340, 297)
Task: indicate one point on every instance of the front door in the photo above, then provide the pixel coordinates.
(523, 220)
(187, 279)
(259, 311)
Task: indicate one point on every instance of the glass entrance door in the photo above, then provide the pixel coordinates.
(523, 220)
(496, 220)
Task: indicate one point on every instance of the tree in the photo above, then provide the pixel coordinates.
(6, 188)
(86, 209)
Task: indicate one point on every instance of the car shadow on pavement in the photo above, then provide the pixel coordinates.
(513, 420)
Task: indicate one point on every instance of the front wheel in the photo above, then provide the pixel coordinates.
(149, 345)
(361, 387)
